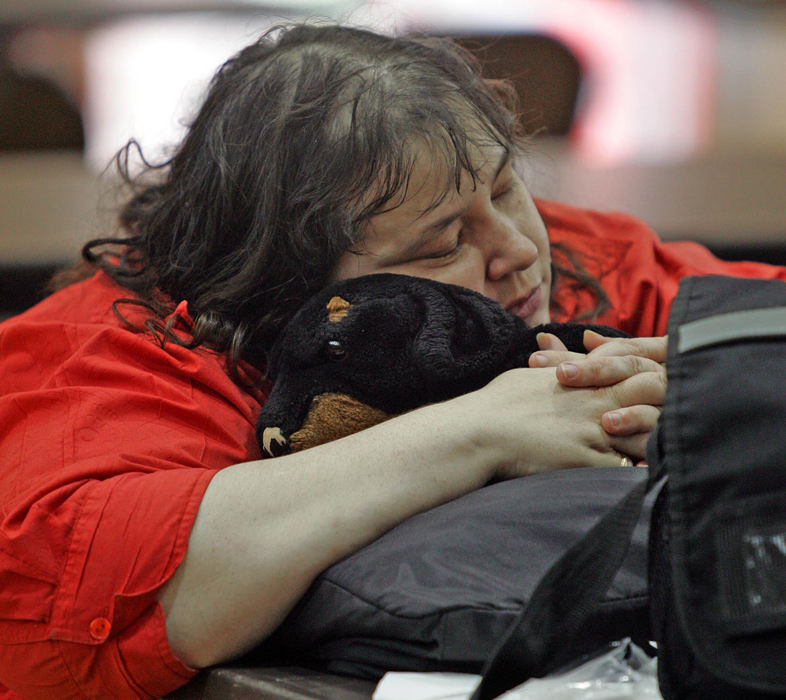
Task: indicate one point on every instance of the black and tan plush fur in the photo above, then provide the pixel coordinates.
(366, 349)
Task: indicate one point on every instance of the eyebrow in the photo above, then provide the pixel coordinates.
(434, 230)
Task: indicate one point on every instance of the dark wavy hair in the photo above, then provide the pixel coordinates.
(303, 136)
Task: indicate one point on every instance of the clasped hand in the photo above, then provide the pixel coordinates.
(632, 368)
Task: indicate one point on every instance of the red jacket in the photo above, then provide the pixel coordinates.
(108, 441)
(639, 273)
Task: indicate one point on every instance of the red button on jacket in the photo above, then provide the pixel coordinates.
(99, 628)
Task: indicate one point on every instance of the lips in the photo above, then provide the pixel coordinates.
(525, 306)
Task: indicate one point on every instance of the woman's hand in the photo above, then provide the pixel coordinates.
(540, 424)
(553, 351)
(634, 365)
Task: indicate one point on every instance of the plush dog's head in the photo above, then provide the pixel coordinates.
(368, 348)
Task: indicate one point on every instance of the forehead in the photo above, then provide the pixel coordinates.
(436, 178)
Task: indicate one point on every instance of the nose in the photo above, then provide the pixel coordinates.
(509, 249)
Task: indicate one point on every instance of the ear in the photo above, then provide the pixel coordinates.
(465, 335)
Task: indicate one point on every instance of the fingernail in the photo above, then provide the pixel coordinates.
(538, 359)
(544, 341)
(614, 419)
(570, 370)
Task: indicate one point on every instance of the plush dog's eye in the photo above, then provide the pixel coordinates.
(334, 349)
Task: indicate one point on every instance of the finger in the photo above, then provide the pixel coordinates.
(593, 339)
(599, 345)
(549, 341)
(554, 351)
(634, 446)
(604, 371)
(646, 388)
(608, 457)
(630, 420)
(552, 358)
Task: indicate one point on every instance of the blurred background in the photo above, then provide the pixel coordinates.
(672, 110)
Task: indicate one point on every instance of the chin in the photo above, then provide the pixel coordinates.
(540, 317)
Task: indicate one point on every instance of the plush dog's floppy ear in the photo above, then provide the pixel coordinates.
(463, 334)
(346, 353)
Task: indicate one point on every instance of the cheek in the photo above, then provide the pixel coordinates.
(544, 248)
(351, 265)
(466, 271)
(531, 225)
(469, 273)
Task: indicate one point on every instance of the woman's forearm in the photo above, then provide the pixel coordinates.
(266, 529)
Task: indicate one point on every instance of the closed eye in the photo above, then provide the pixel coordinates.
(503, 193)
(449, 252)
(504, 181)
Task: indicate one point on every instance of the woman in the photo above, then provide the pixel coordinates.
(141, 537)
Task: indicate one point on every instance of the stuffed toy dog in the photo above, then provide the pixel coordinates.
(366, 349)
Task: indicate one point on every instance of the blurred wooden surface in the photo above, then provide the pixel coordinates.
(51, 203)
(65, 11)
(719, 199)
(279, 683)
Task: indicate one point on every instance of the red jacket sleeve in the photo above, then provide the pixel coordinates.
(639, 272)
(108, 443)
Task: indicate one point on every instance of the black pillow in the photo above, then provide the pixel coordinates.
(438, 591)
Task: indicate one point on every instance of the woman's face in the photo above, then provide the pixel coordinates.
(489, 238)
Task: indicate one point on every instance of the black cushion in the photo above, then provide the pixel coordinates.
(439, 590)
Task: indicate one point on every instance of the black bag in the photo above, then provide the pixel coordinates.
(438, 591)
(718, 557)
(718, 534)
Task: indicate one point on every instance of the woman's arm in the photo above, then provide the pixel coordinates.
(265, 530)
